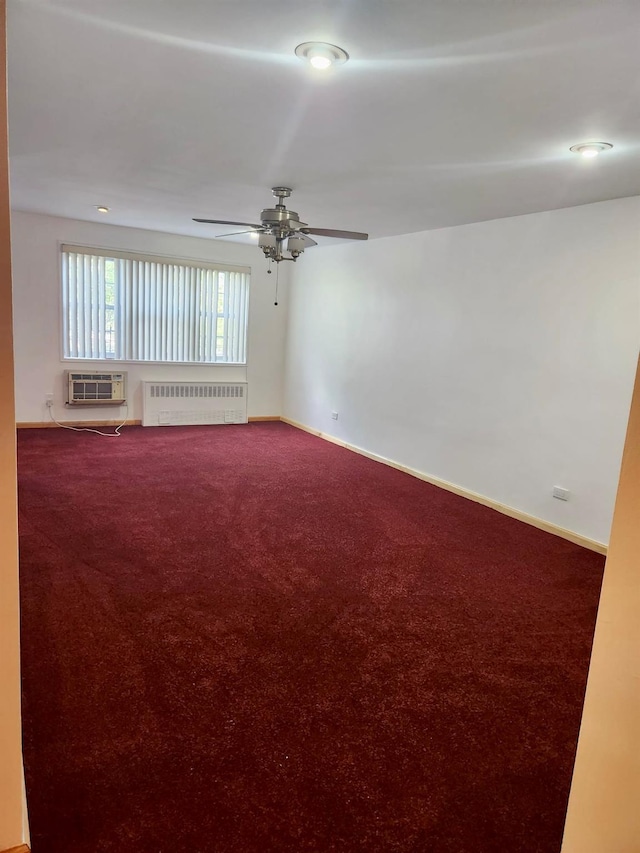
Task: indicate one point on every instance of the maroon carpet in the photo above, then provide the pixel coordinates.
(242, 638)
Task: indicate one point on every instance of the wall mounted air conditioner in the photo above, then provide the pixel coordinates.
(93, 388)
(182, 403)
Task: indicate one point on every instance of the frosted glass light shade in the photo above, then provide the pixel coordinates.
(267, 241)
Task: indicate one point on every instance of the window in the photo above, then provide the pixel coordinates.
(130, 307)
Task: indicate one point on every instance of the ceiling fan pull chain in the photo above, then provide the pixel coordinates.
(277, 282)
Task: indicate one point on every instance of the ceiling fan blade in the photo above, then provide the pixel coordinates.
(235, 233)
(227, 222)
(331, 232)
(308, 241)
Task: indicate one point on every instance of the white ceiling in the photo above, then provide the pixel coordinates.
(449, 111)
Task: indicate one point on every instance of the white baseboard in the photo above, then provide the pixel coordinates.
(540, 523)
(61, 424)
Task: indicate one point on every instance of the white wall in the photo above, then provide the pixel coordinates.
(36, 283)
(498, 356)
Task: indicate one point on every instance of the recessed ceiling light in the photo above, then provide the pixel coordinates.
(590, 149)
(321, 55)
(102, 209)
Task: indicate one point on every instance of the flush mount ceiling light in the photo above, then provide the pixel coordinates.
(590, 149)
(102, 209)
(321, 55)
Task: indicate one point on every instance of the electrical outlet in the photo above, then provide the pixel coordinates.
(560, 493)
(49, 400)
(334, 415)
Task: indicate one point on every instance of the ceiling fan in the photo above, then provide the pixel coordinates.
(278, 224)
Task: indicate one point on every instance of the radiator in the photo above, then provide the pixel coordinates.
(176, 403)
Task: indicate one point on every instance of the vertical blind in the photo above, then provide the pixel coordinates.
(129, 307)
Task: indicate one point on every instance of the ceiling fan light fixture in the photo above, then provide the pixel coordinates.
(279, 226)
(296, 245)
(321, 55)
(590, 149)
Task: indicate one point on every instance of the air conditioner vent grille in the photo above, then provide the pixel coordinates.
(97, 377)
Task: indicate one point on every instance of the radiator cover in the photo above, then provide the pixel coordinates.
(182, 403)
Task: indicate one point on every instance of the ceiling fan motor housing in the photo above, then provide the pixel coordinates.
(277, 216)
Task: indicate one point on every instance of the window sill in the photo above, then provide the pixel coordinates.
(115, 361)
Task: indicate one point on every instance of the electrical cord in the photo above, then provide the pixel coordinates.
(115, 434)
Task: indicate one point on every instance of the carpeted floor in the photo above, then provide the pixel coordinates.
(244, 639)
